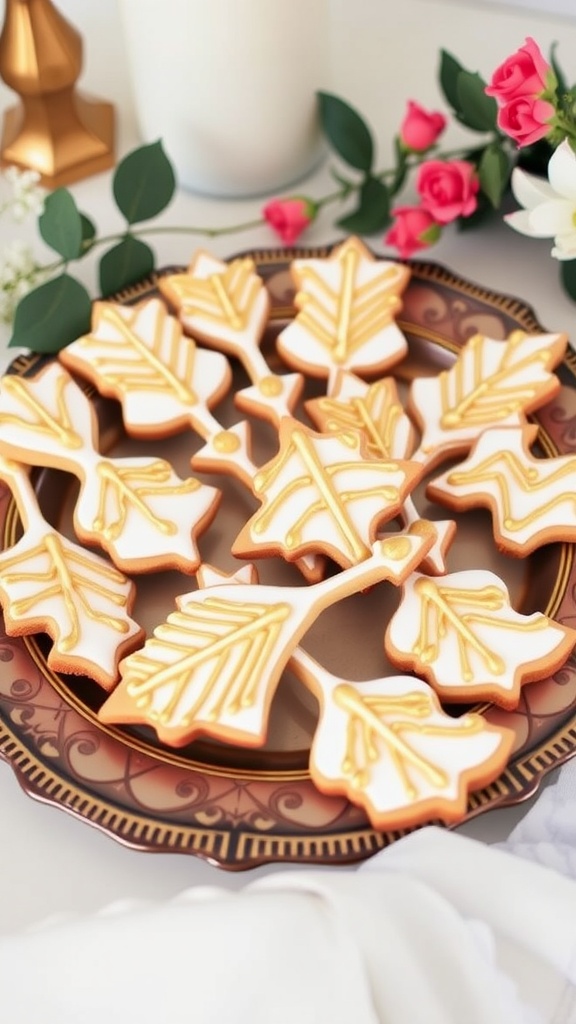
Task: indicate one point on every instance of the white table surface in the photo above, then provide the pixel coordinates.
(50, 861)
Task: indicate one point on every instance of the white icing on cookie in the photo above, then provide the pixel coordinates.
(224, 304)
(50, 585)
(271, 397)
(492, 383)
(376, 412)
(140, 355)
(388, 746)
(347, 304)
(461, 633)
(532, 501)
(321, 493)
(212, 668)
(142, 513)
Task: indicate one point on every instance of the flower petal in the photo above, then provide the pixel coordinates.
(562, 170)
(555, 217)
(530, 191)
(565, 247)
(522, 223)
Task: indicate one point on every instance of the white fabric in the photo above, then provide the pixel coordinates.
(437, 929)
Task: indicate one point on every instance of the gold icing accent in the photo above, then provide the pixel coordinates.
(270, 386)
(377, 414)
(367, 725)
(438, 601)
(226, 298)
(226, 442)
(69, 574)
(232, 642)
(526, 477)
(130, 486)
(486, 400)
(323, 478)
(396, 548)
(129, 374)
(46, 424)
(345, 319)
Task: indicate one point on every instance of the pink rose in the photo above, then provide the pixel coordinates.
(420, 128)
(526, 119)
(525, 73)
(413, 229)
(290, 217)
(448, 189)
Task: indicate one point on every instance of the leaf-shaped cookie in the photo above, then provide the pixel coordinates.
(492, 383)
(346, 309)
(321, 493)
(139, 355)
(212, 668)
(388, 746)
(224, 304)
(373, 409)
(143, 514)
(376, 412)
(532, 501)
(461, 633)
(50, 585)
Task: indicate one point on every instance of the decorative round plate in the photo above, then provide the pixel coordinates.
(242, 808)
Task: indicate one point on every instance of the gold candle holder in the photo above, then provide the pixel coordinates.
(54, 130)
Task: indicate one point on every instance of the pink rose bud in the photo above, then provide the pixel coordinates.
(448, 189)
(525, 73)
(526, 119)
(420, 128)
(290, 217)
(413, 229)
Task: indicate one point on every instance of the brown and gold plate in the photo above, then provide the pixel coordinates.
(241, 808)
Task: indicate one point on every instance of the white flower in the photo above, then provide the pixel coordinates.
(549, 206)
(19, 273)
(27, 196)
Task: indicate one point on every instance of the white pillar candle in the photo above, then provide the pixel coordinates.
(230, 86)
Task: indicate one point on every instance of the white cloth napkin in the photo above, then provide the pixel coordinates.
(437, 929)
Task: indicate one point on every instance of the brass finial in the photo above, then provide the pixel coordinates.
(54, 130)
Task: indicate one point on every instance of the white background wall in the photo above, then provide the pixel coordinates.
(398, 63)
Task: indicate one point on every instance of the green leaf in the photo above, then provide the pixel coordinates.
(568, 277)
(52, 316)
(450, 70)
(346, 186)
(60, 224)
(347, 132)
(124, 264)
(476, 110)
(563, 87)
(144, 183)
(88, 232)
(494, 173)
(373, 211)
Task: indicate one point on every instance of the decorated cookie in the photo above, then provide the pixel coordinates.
(387, 745)
(50, 585)
(492, 383)
(137, 509)
(532, 501)
(322, 493)
(226, 305)
(376, 412)
(140, 355)
(461, 633)
(347, 306)
(212, 668)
